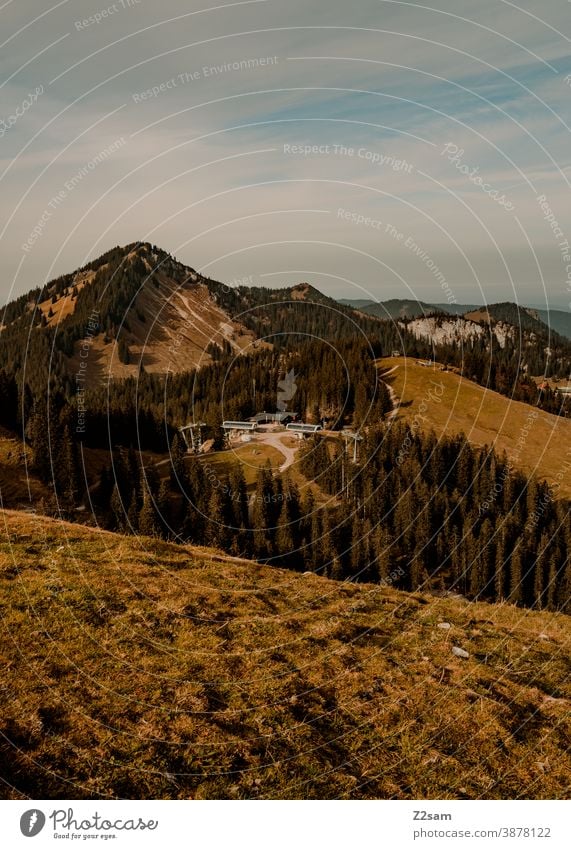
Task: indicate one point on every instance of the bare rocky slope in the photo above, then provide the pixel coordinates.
(133, 307)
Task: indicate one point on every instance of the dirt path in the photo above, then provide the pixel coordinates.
(394, 397)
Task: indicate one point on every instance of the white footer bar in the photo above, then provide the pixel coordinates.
(287, 825)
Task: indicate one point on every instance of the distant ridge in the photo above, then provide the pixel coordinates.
(556, 320)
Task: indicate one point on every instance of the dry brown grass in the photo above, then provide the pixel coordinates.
(486, 417)
(250, 456)
(135, 668)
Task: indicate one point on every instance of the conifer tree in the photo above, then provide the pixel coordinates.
(314, 553)
(417, 569)
(117, 509)
(149, 525)
(67, 470)
(539, 581)
(336, 572)
(487, 557)
(515, 579)
(552, 585)
(132, 524)
(564, 588)
(500, 569)
(239, 497)
(39, 437)
(179, 478)
(285, 545)
(262, 514)
(217, 531)
(164, 507)
(382, 549)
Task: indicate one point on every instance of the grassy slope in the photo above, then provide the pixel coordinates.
(18, 486)
(486, 417)
(140, 669)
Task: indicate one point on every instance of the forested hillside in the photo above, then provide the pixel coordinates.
(434, 514)
(138, 309)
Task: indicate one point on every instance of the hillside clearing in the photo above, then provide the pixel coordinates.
(450, 404)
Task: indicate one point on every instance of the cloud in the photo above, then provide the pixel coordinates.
(204, 171)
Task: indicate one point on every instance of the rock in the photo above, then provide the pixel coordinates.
(444, 625)
(458, 652)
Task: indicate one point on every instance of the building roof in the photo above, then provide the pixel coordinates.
(271, 417)
(239, 425)
(301, 427)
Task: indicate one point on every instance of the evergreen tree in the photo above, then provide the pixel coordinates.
(179, 477)
(39, 437)
(239, 497)
(69, 466)
(417, 569)
(285, 545)
(164, 508)
(117, 510)
(132, 524)
(218, 534)
(123, 351)
(552, 585)
(564, 588)
(262, 514)
(500, 569)
(336, 572)
(149, 524)
(516, 571)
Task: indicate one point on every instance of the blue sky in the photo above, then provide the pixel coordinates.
(204, 168)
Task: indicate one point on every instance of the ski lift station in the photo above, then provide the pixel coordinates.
(302, 429)
(282, 418)
(239, 427)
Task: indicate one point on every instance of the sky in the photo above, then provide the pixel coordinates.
(376, 149)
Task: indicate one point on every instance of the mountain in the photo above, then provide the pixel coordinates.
(280, 316)
(513, 328)
(462, 325)
(403, 308)
(522, 318)
(399, 308)
(456, 309)
(457, 330)
(557, 320)
(137, 308)
(359, 303)
(139, 669)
